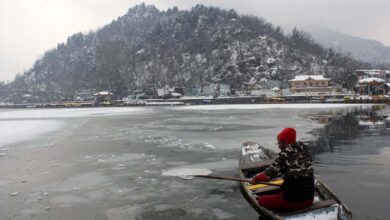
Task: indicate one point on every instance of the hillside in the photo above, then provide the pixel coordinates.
(146, 49)
(366, 50)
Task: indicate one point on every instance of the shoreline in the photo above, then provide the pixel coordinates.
(188, 102)
(209, 100)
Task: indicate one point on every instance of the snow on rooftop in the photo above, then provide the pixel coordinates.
(103, 93)
(371, 79)
(306, 77)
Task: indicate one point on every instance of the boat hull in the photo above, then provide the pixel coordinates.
(254, 159)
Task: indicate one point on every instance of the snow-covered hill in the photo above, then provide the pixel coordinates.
(146, 49)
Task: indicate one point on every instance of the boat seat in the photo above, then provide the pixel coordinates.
(261, 185)
(266, 190)
(263, 188)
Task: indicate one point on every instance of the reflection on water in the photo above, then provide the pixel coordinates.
(351, 155)
(345, 128)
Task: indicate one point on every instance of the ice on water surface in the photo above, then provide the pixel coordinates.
(186, 173)
(24, 130)
(68, 200)
(69, 113)
(221, 214)
(137, 159)
(14, 194)
(189, 171)
(82, 181)
(266, 106)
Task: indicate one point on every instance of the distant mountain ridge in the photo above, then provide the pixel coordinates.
(146, 49)
(371, 51)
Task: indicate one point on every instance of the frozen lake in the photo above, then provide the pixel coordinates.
(107, 163)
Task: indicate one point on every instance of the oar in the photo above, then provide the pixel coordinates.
(235, 179)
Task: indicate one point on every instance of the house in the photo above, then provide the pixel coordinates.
(224, 90)
(311, 84)
(103, 97)
(192, 91)
(373, 82)
(210, 89)
(84, 95)
(164, 91)
(216, 89)
(372, 86)
(167, 91)
(135, 95)
(262, 88)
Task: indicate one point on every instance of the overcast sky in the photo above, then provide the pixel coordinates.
(29, 28)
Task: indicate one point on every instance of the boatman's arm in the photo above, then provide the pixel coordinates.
(276, 169)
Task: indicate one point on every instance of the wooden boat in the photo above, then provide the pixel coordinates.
(254, 159)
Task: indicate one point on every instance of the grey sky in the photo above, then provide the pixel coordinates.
(29, 28)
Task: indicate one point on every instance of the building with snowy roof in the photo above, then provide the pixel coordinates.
(104, 97)
(216, 89)
(372, 86)
(85, 95)
(311, 84)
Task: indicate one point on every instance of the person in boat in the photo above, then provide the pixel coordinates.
(294, 164)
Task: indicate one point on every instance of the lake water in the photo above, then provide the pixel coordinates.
(107, 163)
